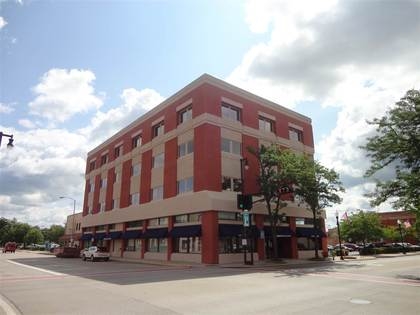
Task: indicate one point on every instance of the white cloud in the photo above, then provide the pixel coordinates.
(358, 56)
(3, 22)
(6, 108)
(48, 163)
(26, 123)
(63, 93)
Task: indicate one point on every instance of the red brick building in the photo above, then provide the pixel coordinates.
(407, 219)
(165, 186)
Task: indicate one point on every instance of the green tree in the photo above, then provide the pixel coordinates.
(277, 168)
(362, 227)
(34, 236)
(4, 230)
(53, 233)
(391, 234)
(317, 186)
(396, 145)
(18, 231)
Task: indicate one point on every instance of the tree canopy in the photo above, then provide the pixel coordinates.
(396, 145)
(362, 227)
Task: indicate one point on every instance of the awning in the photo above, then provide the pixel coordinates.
(131, 234)
(226, 230)
(114, 235)
(309, 232)
(156, 233)
(185, 231)
(281, 231)
(86, 237)
(100, 236)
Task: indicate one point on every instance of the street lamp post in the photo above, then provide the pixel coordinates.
(339, 235)
(401, 236)
(74, 211)
(10, 144)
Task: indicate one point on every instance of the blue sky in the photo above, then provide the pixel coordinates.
(74, 72)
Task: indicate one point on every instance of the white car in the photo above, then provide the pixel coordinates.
(95, 253)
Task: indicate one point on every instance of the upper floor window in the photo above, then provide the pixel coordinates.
(135, 141)
(231, 184)
(91, 186)
(103, 183)
(135, 170)
(158, 129)
(157, 193)
(117, 151)
(231, 146)
(102, 207)
(104, 159)
(111, 226)
(185, 218)
(185, 148)
(231, 112)
(158, 160)
(134, 224)
(92, 166)
(101, 228)
(158, 221)
(266, 124)
(185, 185)
(117, 177)
(231, 216)
(295, 134)
(134, 199)
(185, 114)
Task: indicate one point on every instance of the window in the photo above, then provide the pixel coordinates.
(134, 199)
(185, 218)
(92, 166)
(185, 148)
(111, 226)
(135, 170)
(102, 207)
(228, 245)
(231, 146)
(158, 160)
(103, 183)
(112, 204)
(229, 216)
(231, 112)
(295, 134)
(133, 245)
(100, 228)
(187, 245)
(185, 185)
(134, 224)
(104, 159)
(300, 221)
(158, 221)
(157, 193)
(231, 184)
(158, 129)
(266, 124)
(91, 187)
(116, 177)
(185, 114)
(157, 245)
(135, 141)
(117, 151)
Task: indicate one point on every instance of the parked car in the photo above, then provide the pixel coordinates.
(351, 246)
(9, 247)
(66, 252)
(344, 249)
(95, 253)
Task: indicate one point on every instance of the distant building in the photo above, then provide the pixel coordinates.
(165, 186)
(72, 230)
(407, 219)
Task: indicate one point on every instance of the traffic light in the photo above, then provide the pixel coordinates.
(244, 202)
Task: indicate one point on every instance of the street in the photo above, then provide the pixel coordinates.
(33, 283)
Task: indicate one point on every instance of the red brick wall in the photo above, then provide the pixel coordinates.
(146, 176)
(125, 184)
(170, 168)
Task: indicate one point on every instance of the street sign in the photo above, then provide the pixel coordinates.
(245, 216)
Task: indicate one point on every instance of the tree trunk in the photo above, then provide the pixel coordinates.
(316, 235)
(274, 239)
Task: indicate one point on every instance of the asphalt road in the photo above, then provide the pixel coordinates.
(38, 284)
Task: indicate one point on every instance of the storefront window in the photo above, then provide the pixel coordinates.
(133, 245)
(157, 245)
(187, 245)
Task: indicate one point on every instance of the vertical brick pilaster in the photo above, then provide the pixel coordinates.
(95, 206)
(171, 221)
(125, 184)
(210, 238)
(293, 239)
(109, 188)
(170, 168)
(259, 222)
(146, 176)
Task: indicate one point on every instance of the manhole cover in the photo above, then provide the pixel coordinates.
(360, 301)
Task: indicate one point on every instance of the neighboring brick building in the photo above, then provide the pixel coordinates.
(165, 186)
(72, 230)
(408, 219)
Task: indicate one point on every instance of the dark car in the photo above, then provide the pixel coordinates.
(351, 246)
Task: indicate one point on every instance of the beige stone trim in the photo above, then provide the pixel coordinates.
(157, 177)
(158, 120)
(184, 105)
(232, 102)
(118, 144)
(231, 134)
(295, 126)
(231, 165)
(185, 167)
(265, 115)
(137, 133)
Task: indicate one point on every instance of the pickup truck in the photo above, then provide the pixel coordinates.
(95, 253)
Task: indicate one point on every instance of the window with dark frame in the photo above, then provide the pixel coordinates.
(185, 114)
(231, 112)
(185, 185)
(92, 166)
(158, 160)
(266, 124)
(104, 159)
(158, 129)
(135, 141)
(117, 151)
(185, 148)
(295, 134)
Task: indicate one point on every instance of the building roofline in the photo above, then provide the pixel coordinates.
(203, 79)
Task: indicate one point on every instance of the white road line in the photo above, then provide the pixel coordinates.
(7, 308)
(36, 268)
